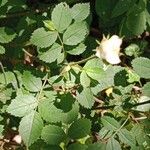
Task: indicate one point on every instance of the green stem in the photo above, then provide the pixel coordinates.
(82, 61)
(41, 90)
(120, 127)
(2, 67)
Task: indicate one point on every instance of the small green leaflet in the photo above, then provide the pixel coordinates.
(80, 128)
(80, 11)
(121, 7)
(140, 19)
(61, 17)
(85, 98)
(146, 89)
(22, 105)
(94, 69)
(126, 137)
(31, 82)
(75, 33)
(113, 145)
(30, 127)
(77, 146)
(2, 50)
(51, 113)
(84, 79)
(97, 146)
(42, 38)
(110, 123)
(50, 55)
(77, 50)
(6, 35)
(53, 135)
(141, 66)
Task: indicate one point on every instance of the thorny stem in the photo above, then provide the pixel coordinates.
(2, 67)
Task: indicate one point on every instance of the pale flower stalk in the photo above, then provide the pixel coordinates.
(109, 49)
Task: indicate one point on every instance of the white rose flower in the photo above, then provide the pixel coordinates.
(109, 49)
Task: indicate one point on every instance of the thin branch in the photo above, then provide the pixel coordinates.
(131, 105)
(121, 127)
(82, 61)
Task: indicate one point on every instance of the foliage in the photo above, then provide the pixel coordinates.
(56, 94)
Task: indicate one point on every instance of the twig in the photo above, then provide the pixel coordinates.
(131, 105)
(82, 61)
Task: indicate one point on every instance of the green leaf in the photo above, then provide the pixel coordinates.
(77, 50)
(140, 25)
(22, 105)
(104, 133)
(143, 107)
(42, 38)
(79, 129)
(30, 127)
(1, 131)
(53, 135)
(141, 65)
(77, 146)
(31, 82)
(80, 11)
(110, 123)
(126, 137)
(106, 80)
(84, 79)
(104, 8)
(51, 54)
(121, 7)
(94, 69)
(97, 146)
(75, 33)
(146, 89)
(40, 145)
(5, 94)
(6, 35)
(133, 50)
(113, 144)
(85, 98)
(61, 16)
(51, 113)
(2, 50)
